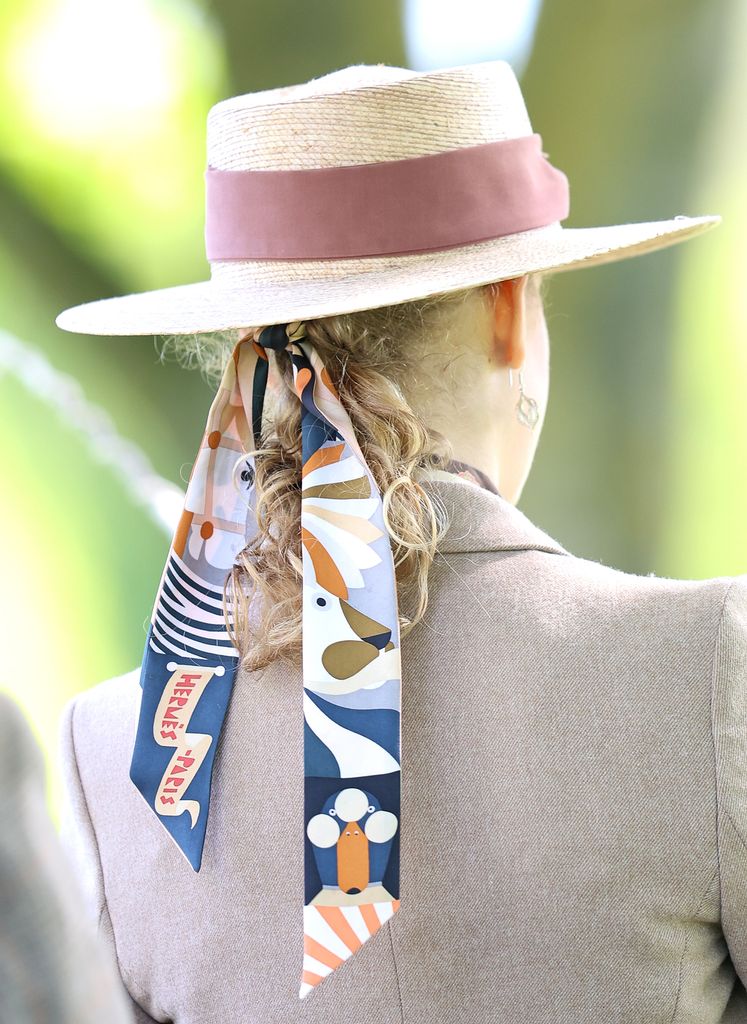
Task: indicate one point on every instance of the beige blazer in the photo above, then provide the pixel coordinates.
(574, 814)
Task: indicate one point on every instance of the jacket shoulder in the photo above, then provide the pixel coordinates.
(556, 561)
(118, 696)
(730, 683)
(564, 598)
(600, 574)
(735, 605)
(672, 606)
(98, 724)
(729, 718)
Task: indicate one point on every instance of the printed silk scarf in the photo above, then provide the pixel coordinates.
(351, 653)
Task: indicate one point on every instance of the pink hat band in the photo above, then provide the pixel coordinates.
(393, 207)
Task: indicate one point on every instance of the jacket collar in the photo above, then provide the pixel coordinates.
(483, 520)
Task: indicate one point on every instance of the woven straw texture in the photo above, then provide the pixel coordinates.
(365, 114)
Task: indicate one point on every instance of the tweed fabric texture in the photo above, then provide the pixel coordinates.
(576, 801)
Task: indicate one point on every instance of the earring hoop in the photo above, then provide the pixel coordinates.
(527, 410)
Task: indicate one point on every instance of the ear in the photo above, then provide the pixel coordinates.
(508, 302)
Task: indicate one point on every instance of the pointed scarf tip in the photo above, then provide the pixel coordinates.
(334, 932)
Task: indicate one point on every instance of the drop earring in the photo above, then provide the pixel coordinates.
(527, 411)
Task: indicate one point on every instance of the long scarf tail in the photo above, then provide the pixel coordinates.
(351, 652)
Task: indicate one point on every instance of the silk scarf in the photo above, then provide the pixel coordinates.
(351, 651)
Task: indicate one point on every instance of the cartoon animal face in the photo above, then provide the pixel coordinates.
(351, 837)
(362, 655)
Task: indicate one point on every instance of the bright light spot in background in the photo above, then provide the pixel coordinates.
(85, 65)
(104, 99)
(441, 33)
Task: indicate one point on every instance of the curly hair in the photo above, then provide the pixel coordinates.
(370, 355)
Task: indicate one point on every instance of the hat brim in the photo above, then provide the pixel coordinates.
(254, 294)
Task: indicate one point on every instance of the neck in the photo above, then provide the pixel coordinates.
(466, 396)
(476, 440)
(479, 457)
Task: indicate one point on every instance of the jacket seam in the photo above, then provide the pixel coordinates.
(396, 975)
(737, 832)
(139, 1005)
(680, 973)
(716, 781)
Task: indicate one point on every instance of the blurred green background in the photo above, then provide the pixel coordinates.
(102, 153)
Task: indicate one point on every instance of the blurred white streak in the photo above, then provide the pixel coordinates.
(442, 33)
(160, 498)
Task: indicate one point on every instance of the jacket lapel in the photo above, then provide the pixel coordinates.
(480, 520)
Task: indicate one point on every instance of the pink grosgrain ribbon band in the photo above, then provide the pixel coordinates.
(420, 204)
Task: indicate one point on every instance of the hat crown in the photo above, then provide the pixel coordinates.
(367, 113)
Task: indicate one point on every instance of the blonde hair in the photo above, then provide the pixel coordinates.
(369, 356)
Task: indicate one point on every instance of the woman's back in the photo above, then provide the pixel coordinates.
(571, 849)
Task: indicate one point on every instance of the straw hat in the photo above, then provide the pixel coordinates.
(369, 186)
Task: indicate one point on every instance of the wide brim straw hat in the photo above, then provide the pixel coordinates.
(370, 186)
